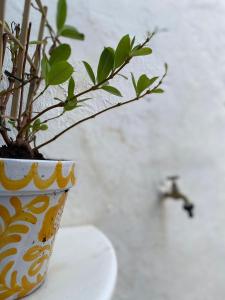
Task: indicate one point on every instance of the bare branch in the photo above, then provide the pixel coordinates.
(23, 37)
(23, 70)
(2, 15)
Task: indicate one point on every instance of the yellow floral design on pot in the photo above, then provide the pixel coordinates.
(32, 197)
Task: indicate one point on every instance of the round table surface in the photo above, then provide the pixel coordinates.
(83, 266)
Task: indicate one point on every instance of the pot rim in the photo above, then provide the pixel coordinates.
(40, 161)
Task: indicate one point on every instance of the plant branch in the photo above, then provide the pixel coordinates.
(11, 90)
(36, 58)
(90, 117)
(147, 92)
(12, 37)
(53, 118)
(5, 136)
(50, 29)
(2, 15)
(20, 58)
(114, 73)
(41, 93)
(23, 70)
(93, 88)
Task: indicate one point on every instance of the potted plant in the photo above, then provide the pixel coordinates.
(33, 189)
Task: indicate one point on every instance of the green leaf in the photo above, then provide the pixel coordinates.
(152, 80)
(143, 83)
(134, 82)
(122, 51)
(36, 125)
(43, 127)
(71, 87)
(89, 71)
(123, 76)
(132, 42)
(70, 104)
(112, 90)
(62, 52)
(59, 73)
(157, 91)
(61, 14)
(71, 32)
(166, 67)
(45, 67)
(38, 42)
(105, 65)
(142, 51)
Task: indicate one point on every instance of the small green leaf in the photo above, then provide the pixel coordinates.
(37, 42)
(132, 42)
(134, 82)
(62, 52)
(142, 52)
(61, 14)
(157, 91)
(59, 73)
(71, 32)
(70, 104)
(36, 125)
(105, 65)
(152, 80)
(143, 83)
(45, 67)
(123, 76)
(122, 51)
(71, 87)
(43, 127)
(89, 71)
(112, 90)
(166, 67)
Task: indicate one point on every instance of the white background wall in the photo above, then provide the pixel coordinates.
(123, 156)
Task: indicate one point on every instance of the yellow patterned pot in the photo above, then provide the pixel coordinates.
(32, 197)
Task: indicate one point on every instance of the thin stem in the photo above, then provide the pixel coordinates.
(88, 118)
(23, 70)
(147, 92)
(2, 15)
(53, 118)
(13, 38)
(5, 136)
(36, 58)
(11, 90)
(23, 38)
(53, 35)
(5, 40)
(41, 93)
(93, 88)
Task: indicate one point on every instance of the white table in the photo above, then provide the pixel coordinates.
(83, 267)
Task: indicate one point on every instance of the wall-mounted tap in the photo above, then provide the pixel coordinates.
(175, 193)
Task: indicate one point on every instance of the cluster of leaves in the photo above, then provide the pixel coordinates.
(112, 61)
(56, 69)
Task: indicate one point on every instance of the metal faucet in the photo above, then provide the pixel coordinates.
(176, 194)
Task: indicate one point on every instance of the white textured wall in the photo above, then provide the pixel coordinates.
(123, 156)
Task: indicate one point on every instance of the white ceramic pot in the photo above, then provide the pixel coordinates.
(32, 197)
